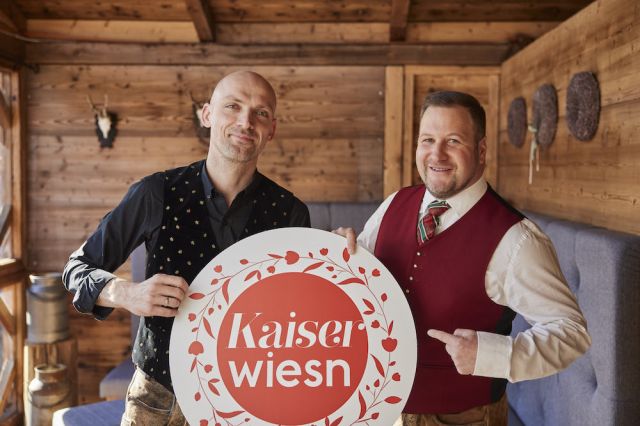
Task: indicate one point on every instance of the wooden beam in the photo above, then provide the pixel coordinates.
(5, 113)
(393, 121)
(286, 54)
(7, 375)
(5, 220)
(202, 18)
(398, 20)
(12, 17)
(19, 153)
(11, 270)
(11, 51)
(7, 320)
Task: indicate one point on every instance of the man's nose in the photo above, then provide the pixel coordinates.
(439, 150)
(245, 119)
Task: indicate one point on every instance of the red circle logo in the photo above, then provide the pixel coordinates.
(292, 348)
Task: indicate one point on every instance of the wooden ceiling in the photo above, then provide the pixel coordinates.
(287, 21)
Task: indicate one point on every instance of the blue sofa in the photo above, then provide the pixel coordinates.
(601, 388)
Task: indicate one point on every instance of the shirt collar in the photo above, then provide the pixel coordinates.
(462, 202)
(210, 190)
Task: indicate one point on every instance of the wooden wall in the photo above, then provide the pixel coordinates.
(596, 182)
(328, 147)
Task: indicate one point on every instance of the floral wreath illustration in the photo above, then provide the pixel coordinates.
(369, 396)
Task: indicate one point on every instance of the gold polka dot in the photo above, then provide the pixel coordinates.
(189, 262)
(193, 243)
(177, 226)
(202, 203)
(167, 208)
(273, 204)
(170, 238)
(193, 191)
(175, 219)
(161, 267)
(186, 182)
(188, 210)
(181, 199)
(177, 271)
(284, 213)
(179, 251)
(168, 259)
(173, 188)
(164, 227)
(197, 222)
(201, 254)
(161, 247)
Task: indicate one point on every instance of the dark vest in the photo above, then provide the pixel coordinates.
(186, 244)
(444, 283)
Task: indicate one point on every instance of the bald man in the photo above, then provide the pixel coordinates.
(185, 217)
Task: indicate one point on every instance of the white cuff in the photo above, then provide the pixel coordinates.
(494, 355)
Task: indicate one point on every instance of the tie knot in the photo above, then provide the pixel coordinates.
(437, 207)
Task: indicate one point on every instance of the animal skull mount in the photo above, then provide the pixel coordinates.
(202, 132)
(105, 123)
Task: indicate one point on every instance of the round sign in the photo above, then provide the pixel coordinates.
(287, 328)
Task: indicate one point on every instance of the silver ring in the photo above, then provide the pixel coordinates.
(167, 297)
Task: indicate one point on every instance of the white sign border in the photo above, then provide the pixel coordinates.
(361, 276)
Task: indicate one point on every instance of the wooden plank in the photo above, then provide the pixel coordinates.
(112, 31)
(596, 182)
(480, 32)
(493, 116)
(11, 16)
(498, 10)
(7, 320)
(393, 120)
(5, 220)
(215, 54)
(148, 10)
(12, 51)
(408, 146)
(5, 113)
(7, 376)
(202, 18)
(9, 269)
(398, 20)
(19, 151)
(283, 33)
(20, 309)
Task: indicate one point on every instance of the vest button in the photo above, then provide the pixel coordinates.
(415, 266)
(418, 253)
(410, 278)
(406, 290)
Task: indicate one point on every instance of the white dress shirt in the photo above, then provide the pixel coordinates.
(523, 274)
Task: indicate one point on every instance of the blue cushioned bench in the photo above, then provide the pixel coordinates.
(603, 387)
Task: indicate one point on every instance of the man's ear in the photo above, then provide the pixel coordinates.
(273, 129)
(482, 150)
(206, 116)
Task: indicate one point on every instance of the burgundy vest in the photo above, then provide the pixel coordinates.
(444, 283)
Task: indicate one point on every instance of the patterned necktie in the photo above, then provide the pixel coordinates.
(427, 225)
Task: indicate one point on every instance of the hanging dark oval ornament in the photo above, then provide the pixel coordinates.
(545, 114)
(583, 105)
(517, 121)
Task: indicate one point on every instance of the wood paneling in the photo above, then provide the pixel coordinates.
(596, 182)
(498, 10)
(328, 147)
(328, 144)
(305, 10)
(286, 54)
(393, 130)
(286, 32)
(202, 18)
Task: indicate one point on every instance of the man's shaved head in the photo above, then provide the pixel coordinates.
(245, 79)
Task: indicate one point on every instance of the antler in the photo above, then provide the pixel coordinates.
(93, 107)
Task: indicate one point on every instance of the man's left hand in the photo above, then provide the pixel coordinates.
(462, 346)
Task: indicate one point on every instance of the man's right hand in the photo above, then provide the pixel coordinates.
(350, 235)
(160, 295)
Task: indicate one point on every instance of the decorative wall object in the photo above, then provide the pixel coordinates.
(545, 114)
(202, 132)
(583, 105)
(105, 123)
(517, 121)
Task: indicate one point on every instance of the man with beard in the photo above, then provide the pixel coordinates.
(185, 217)
(466, 261)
